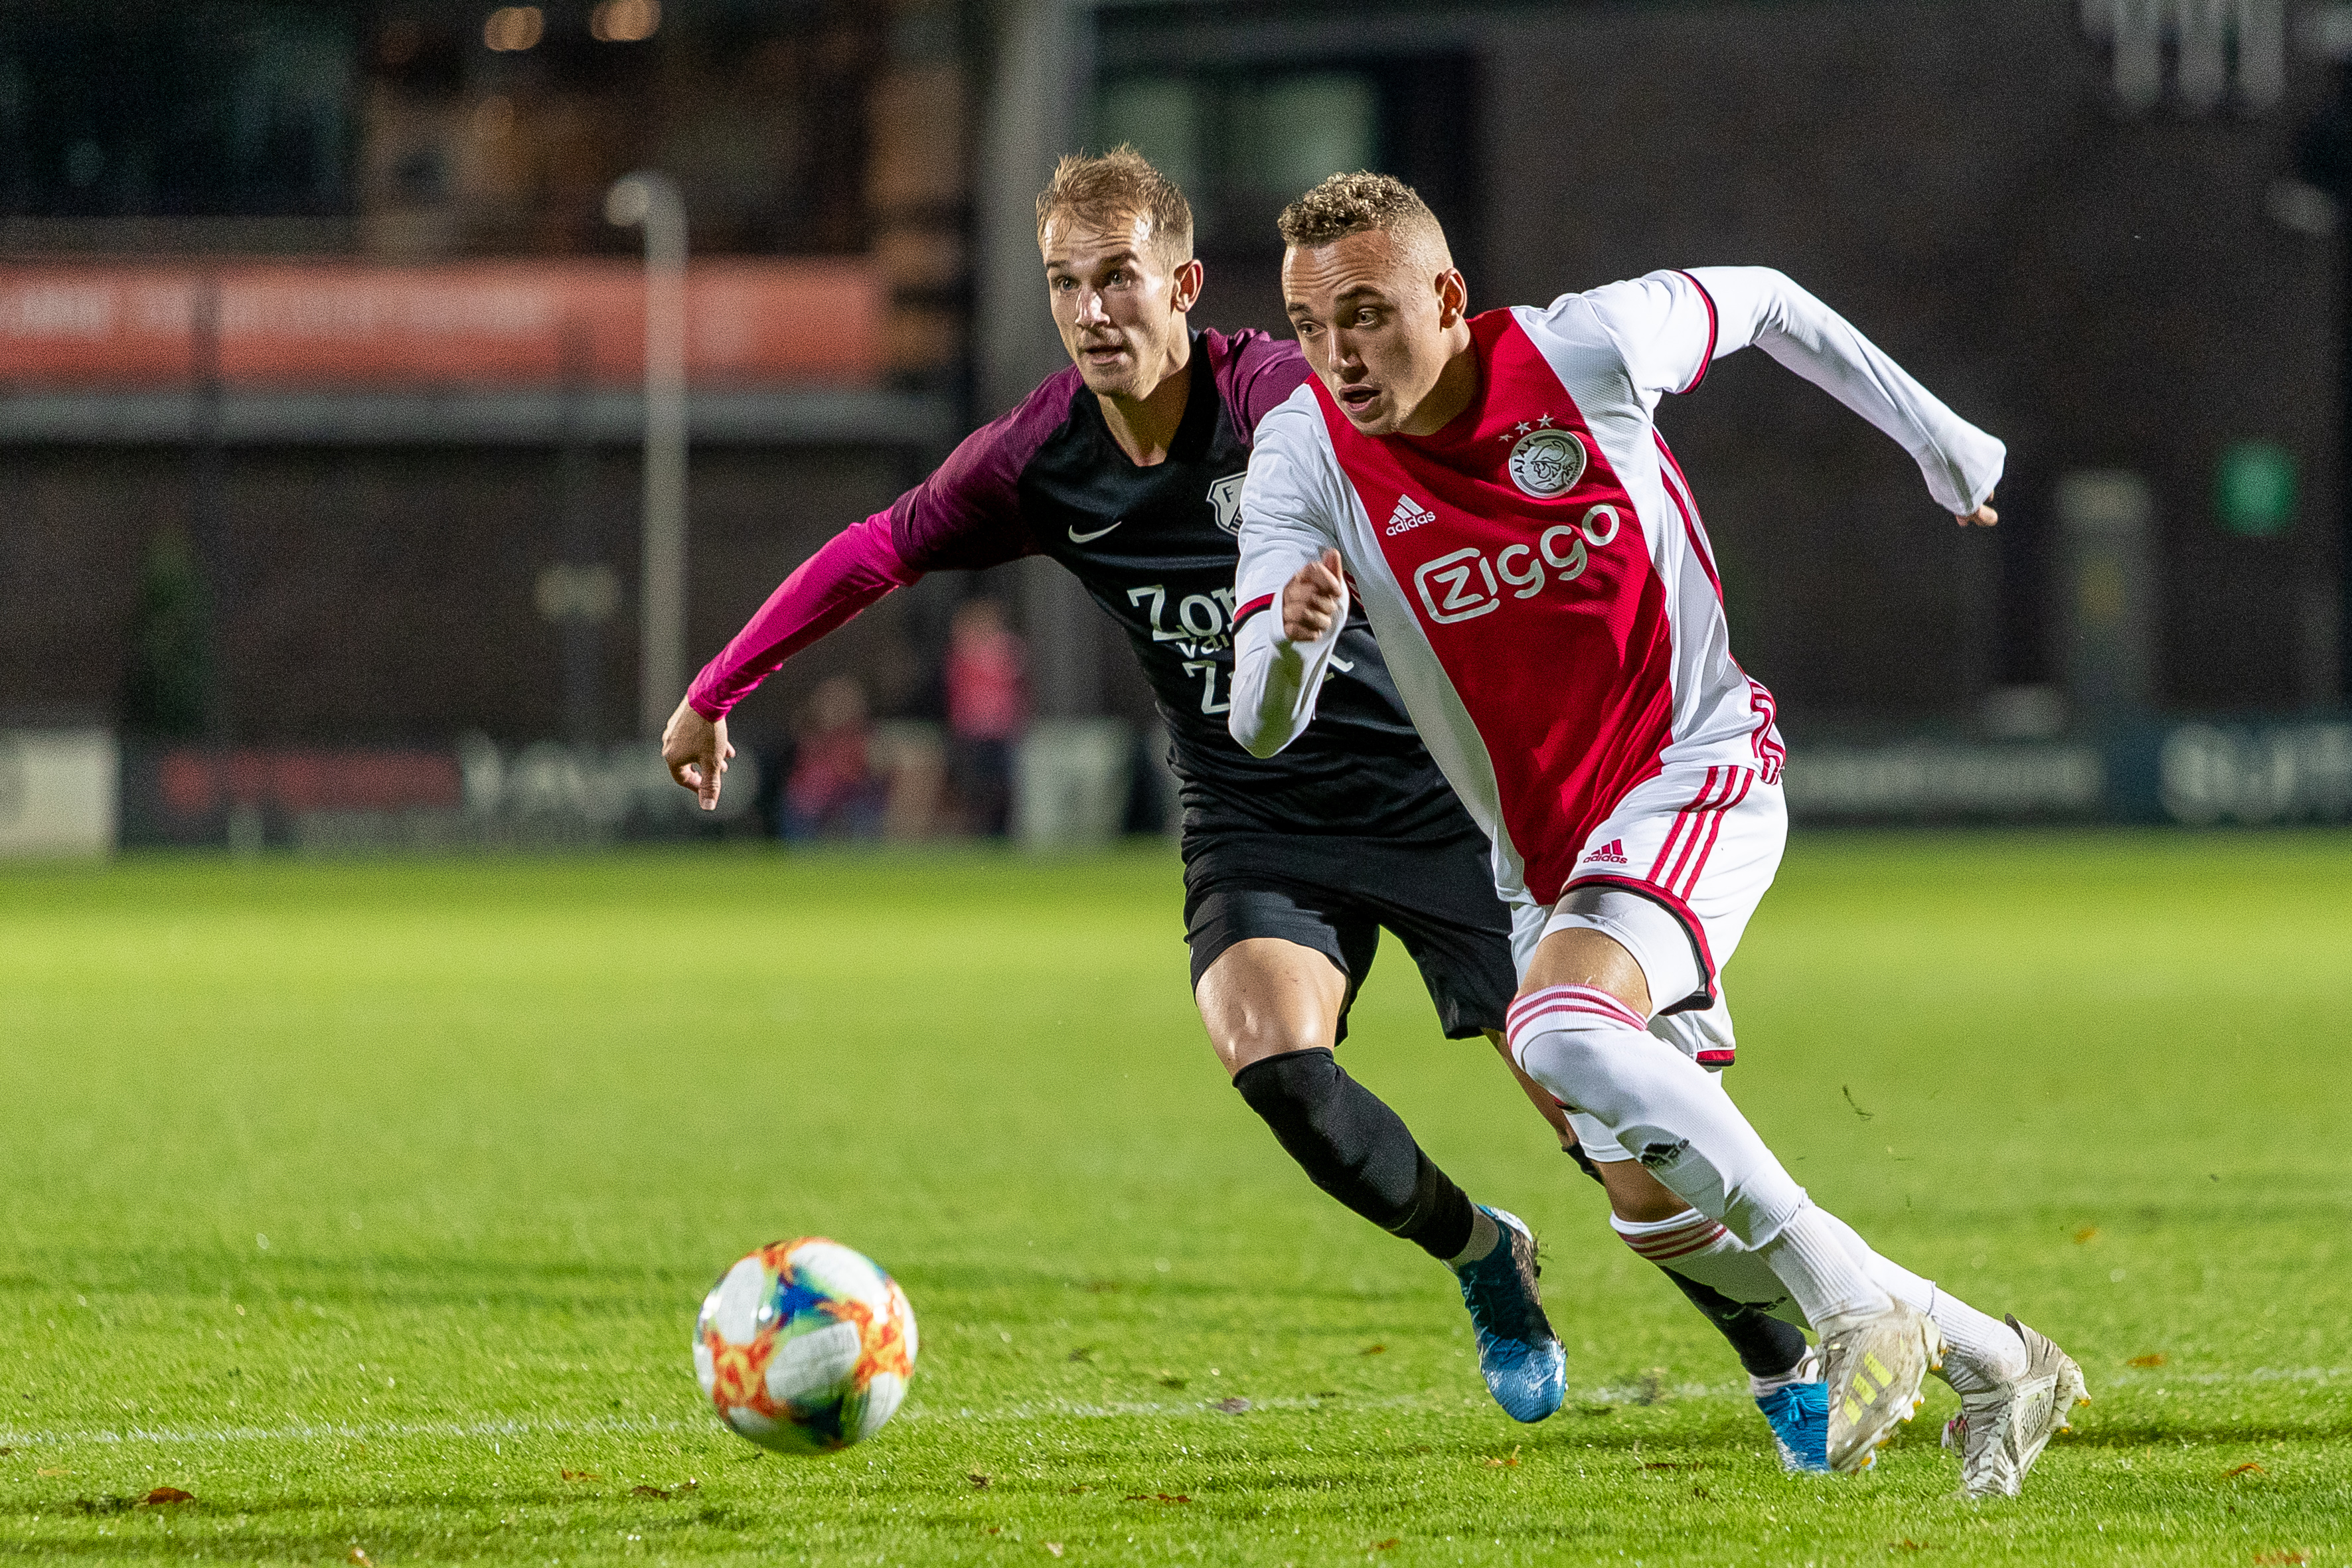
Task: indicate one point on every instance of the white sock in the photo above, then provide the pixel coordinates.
(1831, 1284)
(1484, 1236)
(1981, 1351)
(1803, 1371)
(1697, 1248)
(1593, 1054)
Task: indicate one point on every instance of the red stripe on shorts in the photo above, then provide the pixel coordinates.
(1747, 781)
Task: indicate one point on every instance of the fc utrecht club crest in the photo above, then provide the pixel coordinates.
(1546, 463)
(1225, 495)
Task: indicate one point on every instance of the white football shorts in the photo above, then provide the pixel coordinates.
(1673, 875)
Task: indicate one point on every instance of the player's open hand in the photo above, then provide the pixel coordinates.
(1983, 517)
(695, 749)
(1314, 600)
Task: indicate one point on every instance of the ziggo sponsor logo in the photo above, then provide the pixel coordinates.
(1465, 584)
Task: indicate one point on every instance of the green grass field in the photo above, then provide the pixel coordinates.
(371, 1205)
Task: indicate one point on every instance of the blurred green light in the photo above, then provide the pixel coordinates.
(2253, 489)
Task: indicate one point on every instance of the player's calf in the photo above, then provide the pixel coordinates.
(1355, 1148)
(1782, 1375)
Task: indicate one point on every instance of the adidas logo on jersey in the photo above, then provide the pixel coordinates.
(1409, 515)
(1610, 854)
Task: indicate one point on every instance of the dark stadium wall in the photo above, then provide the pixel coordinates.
(390, 595)
(2101, 292)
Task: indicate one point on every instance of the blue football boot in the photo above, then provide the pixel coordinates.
(1799, 1416)
(1519, 1356)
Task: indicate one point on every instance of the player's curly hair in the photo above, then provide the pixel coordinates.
(1358, 204)
(1117, 186)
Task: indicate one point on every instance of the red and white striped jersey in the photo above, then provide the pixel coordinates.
(1536, 574)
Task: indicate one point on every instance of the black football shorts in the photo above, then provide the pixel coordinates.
(1335, 894)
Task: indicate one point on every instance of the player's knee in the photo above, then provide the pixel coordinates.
(1567, 1059)
(1258, 1040)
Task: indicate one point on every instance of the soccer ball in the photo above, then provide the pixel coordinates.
(804, 1346)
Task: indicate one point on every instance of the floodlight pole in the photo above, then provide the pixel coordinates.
(650, 200)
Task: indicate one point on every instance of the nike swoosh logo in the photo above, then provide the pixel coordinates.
(1077, 538)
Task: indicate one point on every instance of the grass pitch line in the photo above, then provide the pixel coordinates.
(1027, 1410)
(347, 1432)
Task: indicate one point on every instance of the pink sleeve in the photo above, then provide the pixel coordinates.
(857, 566)
(1259, 373)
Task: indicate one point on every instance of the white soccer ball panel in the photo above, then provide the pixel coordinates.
(838, 1271)
(810, 1369)
(863, 1415)
(736, 1312)
(706, 1368)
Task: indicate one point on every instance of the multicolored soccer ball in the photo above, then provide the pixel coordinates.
(806, 1346)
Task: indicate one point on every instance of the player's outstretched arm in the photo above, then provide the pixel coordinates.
(1760, 305)
(1292, 595)
(854, 568)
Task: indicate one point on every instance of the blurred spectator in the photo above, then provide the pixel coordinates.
(833, 791)
(988, 709)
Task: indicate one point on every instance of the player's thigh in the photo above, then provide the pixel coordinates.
(1580, 955)
(1275, 967)
(1264, 996)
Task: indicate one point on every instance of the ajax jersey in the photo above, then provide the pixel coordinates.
(1538, 572)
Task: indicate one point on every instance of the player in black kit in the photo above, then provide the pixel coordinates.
(1127, 469)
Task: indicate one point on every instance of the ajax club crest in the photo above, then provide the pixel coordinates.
(1546, 463)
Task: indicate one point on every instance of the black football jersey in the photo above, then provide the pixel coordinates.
(1156, 548)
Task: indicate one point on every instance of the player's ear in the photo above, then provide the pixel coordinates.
(1452, 297)
(1189, 280)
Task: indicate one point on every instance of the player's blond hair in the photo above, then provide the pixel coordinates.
(1363, 203)
(1117, 187)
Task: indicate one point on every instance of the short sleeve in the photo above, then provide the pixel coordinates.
(1664, 326)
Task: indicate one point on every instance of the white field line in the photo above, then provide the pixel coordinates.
(1051, 1409)
(519, 1427)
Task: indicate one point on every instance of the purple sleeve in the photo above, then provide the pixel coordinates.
(854, 568)
(967, 515)
(1257, 375)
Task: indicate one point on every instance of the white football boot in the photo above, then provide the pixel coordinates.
(1874, 1369)
(2000, 1434)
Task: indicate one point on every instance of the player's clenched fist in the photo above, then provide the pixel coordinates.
(1314, 600)
(695, 749)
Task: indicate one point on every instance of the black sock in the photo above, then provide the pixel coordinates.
(1358, 1149)
(1765, 1345)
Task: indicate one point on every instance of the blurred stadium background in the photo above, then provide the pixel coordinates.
(323, 369)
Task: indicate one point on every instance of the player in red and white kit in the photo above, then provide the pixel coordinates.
(1532, 561)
